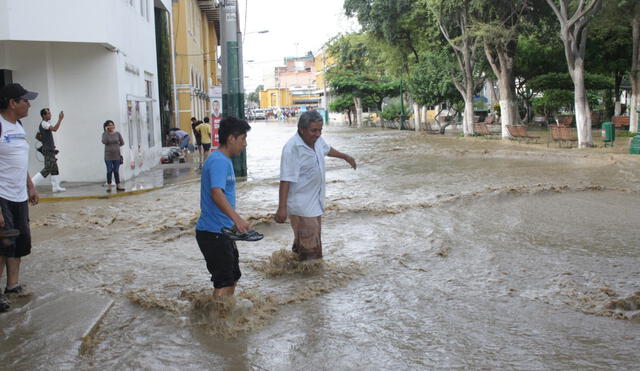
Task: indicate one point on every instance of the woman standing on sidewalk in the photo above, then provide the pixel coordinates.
(112, 141)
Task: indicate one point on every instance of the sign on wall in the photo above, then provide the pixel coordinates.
(215, 94)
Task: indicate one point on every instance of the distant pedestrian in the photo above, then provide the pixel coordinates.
(204, 129)
(302, 184)
(183, 137)
(49, 150)
(217, 208)
(16, 188)
(112, 141)
(196, 135)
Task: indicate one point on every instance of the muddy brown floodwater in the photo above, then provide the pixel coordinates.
(440, 252)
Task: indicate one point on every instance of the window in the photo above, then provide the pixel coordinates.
(151, 138)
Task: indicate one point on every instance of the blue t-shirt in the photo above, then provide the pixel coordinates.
(217, 172)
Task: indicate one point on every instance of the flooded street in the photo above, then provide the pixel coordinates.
(440, 252)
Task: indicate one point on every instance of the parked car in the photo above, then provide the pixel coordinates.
(259, 114)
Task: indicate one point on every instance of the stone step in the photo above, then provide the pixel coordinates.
(52, 327)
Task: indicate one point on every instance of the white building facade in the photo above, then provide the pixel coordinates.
(96, 60)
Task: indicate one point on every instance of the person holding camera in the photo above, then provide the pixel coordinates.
(49, 150)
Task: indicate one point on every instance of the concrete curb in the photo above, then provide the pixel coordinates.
(98, 197)
(114, 195)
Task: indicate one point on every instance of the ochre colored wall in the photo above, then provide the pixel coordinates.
(196, 60)
(275, 98)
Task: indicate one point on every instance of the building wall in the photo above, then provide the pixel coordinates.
(292, 79)
(196, 61)
(88, 59)
(275, 98)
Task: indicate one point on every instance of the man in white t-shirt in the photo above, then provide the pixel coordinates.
(16, 188)
(49, 150)
(302, 184)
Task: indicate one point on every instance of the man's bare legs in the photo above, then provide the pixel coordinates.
(13, 269)
(225, 291)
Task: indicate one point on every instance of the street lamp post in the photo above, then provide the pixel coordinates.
(232, 81)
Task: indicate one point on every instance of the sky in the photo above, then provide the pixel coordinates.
(295, 28)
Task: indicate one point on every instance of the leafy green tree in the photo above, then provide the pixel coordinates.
(343, 104)
(254, 96)
(610, 48)
(405, 25)
(574, 19)
(430, 82)
(539, 51)
(454, 18)
(498, 24)
(403, 29)
(357, 72)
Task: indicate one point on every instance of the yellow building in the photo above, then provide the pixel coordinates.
(323, 61)
(276, 98)
(196, 27)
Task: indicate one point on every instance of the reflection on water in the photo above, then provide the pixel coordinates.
(439, 252)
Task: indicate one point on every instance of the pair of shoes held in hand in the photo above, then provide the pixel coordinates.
(233, 234)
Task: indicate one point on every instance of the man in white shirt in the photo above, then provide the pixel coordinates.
(302, 184)
(16, 188)
(49, 150)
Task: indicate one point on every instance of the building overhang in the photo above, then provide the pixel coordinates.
(211, 8)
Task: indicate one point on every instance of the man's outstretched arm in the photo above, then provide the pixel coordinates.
(337, 154)
(57, 125)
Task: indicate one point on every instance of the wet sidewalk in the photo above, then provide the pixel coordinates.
(160, 176)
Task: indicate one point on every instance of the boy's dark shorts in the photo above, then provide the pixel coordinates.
(16, 216)
(206, 146)
(221, 255)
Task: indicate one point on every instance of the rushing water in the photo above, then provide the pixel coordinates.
(439, 253)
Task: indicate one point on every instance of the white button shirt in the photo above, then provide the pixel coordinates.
(303, 167)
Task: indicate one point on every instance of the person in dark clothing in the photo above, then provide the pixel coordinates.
(49, 150)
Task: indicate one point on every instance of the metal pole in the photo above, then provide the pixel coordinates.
(401, 107)
(232, 78)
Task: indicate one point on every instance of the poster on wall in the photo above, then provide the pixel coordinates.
(215, 93)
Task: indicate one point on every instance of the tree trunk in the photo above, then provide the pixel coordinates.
(617, 78)
(416, 116)
(349, 116)
(508, 104)
(502, 66)
(573, 32)
(358, 103)
(467, 120)
(583, 114)
(635, 73)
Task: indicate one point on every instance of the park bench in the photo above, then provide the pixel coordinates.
(481, 128)
(562, 135)
(620, 121)
(519, 132)
(524, 134)
(564, 120)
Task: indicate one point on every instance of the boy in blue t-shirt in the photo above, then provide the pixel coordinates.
(217, 205)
